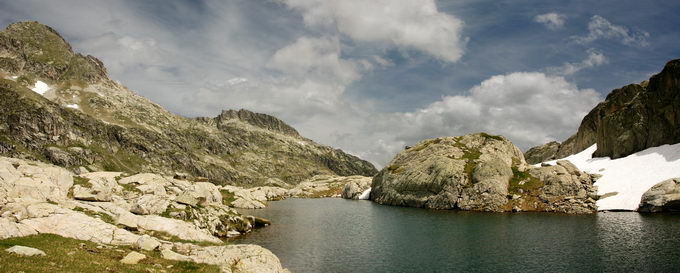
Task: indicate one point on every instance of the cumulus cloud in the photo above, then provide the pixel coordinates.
(410, 24)
(530, 108)
(600, 27)
(317, 57)
(595, 58)
(551, 20)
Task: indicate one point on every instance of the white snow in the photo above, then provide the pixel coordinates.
(74, 106)
(365, 195)
(40, 87)
(630, 177)
(14, 77)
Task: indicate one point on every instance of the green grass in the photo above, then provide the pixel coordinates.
(227, 197)
(67, 255)
(172, 238)
(82, 181)
(103, 216)
(531, 184)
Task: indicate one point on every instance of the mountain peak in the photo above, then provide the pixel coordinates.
(40, 51)
(257, 119)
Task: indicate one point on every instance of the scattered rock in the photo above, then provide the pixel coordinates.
(133, 258)
(148, 243)
(171, 255)
(25, 251)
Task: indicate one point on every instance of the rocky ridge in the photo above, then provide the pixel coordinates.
(631, 119)
(85, 121)
(480, 172)
(178, 218)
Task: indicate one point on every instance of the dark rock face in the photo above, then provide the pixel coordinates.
(637, 117)
(116, 130)
(545, 152)
(632, 118)
(664, 196)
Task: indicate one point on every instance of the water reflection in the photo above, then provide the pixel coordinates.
(335, 235)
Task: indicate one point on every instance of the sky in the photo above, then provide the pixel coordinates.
(371, 77)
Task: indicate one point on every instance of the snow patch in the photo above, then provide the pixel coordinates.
(365, 195)
(14, 77)
(629, 177)
(40, 87)
(74, 106)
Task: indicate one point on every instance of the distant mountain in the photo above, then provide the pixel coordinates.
(631, 119)
(61, 107)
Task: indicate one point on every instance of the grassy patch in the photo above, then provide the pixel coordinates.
(103, 216)
(524, 181)
(227, 197)
(172, 238)
(71, 255)
(82, 181)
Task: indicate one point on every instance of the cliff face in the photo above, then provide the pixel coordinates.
(60, 107)
(632, 118)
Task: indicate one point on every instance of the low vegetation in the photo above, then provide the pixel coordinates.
(71, 255)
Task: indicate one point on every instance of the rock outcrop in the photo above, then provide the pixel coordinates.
(480, 172)
(37, 198)
(663, 197)
(631, 119)
(114, 129)
(542, 153)
(358, 188)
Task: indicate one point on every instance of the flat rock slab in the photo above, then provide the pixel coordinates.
(133, 258)
(25, 251)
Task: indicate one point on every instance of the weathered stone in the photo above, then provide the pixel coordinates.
(171, 255)
(133, 257)
(356, 187)
(150, 204)
(662, 197)
(469, 172)
(542, 153)
(25, 251)
(148, 243)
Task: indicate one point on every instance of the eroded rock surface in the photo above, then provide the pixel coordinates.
(480, 172)
(663, 197)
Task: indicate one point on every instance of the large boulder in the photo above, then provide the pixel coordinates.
(664, 196)
(356, 187)
(470, 172)
(480, 172)
(21, 179)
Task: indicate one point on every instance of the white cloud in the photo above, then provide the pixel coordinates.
(551, 20)
(595, 58)
(410, 24)
(317, 57)
(600, 27)
(530, 108)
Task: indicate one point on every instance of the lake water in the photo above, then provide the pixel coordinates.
(337, 235)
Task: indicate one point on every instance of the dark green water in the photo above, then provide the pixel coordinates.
(337, 235)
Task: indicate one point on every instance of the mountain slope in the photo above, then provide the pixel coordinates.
(77, 117)
(631, 119)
